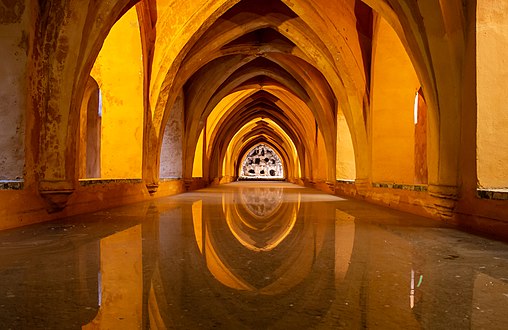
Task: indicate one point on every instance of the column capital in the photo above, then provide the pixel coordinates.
(152, 187)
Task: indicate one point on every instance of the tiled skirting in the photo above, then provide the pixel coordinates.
(346, 181)
(93, 182)
(410, 187)
(169, 179)
(495, 194)
(12, 184)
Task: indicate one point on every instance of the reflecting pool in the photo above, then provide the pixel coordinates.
(251, 255)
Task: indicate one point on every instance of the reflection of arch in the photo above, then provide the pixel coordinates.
(260, 230)
(307, 268)
(285, 241)
(263, 203)
(261, 162)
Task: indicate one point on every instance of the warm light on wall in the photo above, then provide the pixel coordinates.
(197, 167)
(118, 72)
(415, 108)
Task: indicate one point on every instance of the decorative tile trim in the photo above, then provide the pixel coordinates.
(345, 181)
(410, 187)
(170, 179)
(94, 182)
(494, 194)
(12, 184)
(261, 179)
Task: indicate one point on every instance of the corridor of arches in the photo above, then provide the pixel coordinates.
(390, 101)
(145, 104)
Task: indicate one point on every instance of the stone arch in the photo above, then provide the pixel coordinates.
(332, 121)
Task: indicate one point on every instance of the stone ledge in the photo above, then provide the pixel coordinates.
(346, 181)
(93, 182)
(494, 194)
(410, 187)
(12, 184)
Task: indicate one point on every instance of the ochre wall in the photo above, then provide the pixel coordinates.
(197, 167)
(345, 164)
(394, 86)
(14, 39)
(320, 170)
(118, 71)
(492, 77)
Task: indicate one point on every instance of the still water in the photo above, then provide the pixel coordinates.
(251, 256)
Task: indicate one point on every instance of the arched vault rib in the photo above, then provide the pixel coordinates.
(305, 38)
(285, 108)
(290, 110)
(226, 133)
(337, 59)
(218, 88)
(292, 116)
(257, 131)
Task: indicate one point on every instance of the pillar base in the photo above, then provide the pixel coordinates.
(56, 194)
(152, 188)
(445, 199)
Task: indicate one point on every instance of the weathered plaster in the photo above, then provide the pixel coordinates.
(14, 30)
(171, 152)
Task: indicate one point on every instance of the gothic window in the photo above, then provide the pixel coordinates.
(262, 162)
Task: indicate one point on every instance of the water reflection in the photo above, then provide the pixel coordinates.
(258, 218)
(120, 281)
(262, 258)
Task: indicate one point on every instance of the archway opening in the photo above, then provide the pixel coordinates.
(261, 163)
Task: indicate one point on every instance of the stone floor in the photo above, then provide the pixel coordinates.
(251, 255)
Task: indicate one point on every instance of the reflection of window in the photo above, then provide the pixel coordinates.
(420, 138)
(262, 163)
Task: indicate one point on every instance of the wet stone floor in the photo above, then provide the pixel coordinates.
(251, 256)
